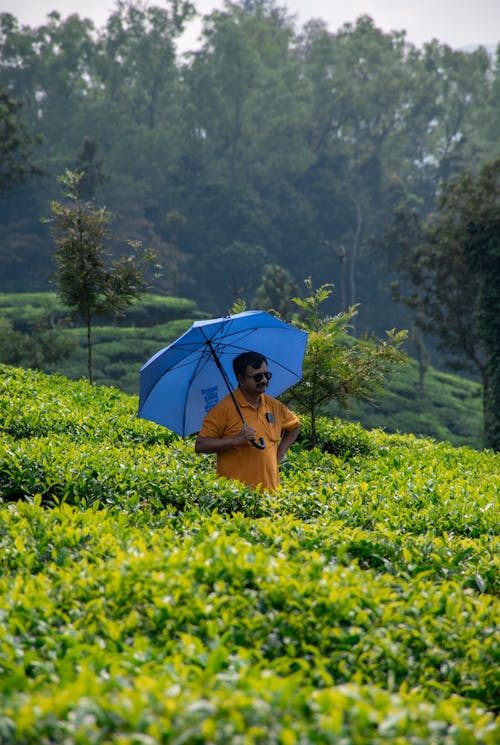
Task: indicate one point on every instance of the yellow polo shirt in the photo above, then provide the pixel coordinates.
(246, 463)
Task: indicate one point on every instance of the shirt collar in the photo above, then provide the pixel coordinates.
(242, 401)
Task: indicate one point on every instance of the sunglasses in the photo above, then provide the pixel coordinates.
(258, 376)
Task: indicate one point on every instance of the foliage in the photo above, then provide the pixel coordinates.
(90, 168)
(42, 347)
(24, 308)
(276, 144)
(337, 366)
(119, 352)
(469, 215)
(449, 408)
(276, 292)
(16, 144)
(453, 264)
(148, 604)
(86, 284)
(335, 436)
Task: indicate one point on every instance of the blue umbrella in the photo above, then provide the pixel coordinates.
(181, 382)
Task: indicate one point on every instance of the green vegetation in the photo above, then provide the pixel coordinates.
(361, 129)
(23, 309)
(91, 283)
(119, 351)
(449, 409)
(145, 601)
(460, 239)
(359, 122)
(337, 366)
(16, 144)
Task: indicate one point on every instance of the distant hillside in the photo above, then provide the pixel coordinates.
(448, 410)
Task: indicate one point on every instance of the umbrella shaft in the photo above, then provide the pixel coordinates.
(226, 380)
(260, 444)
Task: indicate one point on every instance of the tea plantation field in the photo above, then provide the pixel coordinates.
(144, 601)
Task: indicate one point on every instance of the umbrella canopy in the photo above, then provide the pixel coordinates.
(181, 382)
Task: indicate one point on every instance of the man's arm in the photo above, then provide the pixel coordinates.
(219, 444)
(286, 441)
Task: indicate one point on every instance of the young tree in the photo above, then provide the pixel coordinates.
(88, 280)
(336, 365)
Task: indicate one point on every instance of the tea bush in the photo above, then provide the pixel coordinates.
(24, 308)
(143, 600)
(129, 347)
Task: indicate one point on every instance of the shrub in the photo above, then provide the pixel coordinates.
(153, 602)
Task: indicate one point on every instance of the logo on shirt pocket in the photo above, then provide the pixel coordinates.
(270, 417)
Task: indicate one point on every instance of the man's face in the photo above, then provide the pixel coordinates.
(254, 380)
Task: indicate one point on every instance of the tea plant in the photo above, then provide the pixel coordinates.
(143, 600)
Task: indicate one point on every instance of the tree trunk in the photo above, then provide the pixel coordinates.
(342, 254)
(313, 428)
(354, 257)
(422, 357)
(491, 398)
(88, 322)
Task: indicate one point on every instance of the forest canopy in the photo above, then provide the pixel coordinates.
(271, 145)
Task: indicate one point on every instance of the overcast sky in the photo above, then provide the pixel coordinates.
(459, 23)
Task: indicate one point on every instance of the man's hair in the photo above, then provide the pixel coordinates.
(241, 362)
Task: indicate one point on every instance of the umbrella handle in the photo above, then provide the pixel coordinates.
(260, 445)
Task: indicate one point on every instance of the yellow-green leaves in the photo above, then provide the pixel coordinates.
(142, 600)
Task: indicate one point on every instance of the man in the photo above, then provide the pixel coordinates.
(268, 422)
